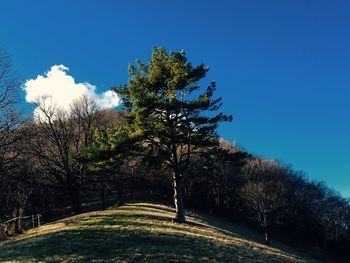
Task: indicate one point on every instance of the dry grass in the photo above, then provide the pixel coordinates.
(139, 232)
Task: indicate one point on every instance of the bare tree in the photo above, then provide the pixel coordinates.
(13, 190)
(264, 189)
(84, 112)
(61, 134)
(330, 212)
(9, 118)
(9, 84)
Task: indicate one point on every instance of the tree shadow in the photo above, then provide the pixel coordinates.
(114, 245)
(113, 236)
(188, 221)
(160, 207)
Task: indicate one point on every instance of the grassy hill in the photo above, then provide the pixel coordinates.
(142, 232)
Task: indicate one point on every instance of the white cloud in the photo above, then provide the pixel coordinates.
(60, 90)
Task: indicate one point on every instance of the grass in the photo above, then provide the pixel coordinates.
(141, 232)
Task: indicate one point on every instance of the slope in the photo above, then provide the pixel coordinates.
(140, 232)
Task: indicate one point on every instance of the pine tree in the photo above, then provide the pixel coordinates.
(168, 113)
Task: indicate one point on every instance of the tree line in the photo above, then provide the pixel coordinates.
(163, 143)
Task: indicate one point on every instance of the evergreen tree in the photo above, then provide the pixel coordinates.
(105, 156)
(168, 114)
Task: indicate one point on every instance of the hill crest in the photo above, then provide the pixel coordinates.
(141, 232)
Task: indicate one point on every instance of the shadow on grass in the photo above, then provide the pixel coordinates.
(160, 207)
(95, 239)
(135, 221)
(206, 223)
(132, 233)
(114, 245)
(169, 210)
(226, 227)
(107, 245)
(115, 220)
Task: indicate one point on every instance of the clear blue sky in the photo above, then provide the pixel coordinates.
(282, 67)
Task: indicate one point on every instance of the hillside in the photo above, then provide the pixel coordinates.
(142, 232)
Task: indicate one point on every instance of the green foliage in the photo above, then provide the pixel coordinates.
(108, 150)
(166, 111)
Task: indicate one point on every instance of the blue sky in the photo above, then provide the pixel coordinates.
(282, 67)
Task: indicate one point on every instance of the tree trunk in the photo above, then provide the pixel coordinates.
(103, 197)
(120, 194)
(75, 199)
(267, 241)
(18, 228)
(325, 244)
(12, 226)
(178, 199)
(3, 232)
(132, 183)
(131, 195)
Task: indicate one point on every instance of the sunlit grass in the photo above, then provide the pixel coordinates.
(139, 232)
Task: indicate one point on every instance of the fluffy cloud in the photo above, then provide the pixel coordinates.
(60, 89)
